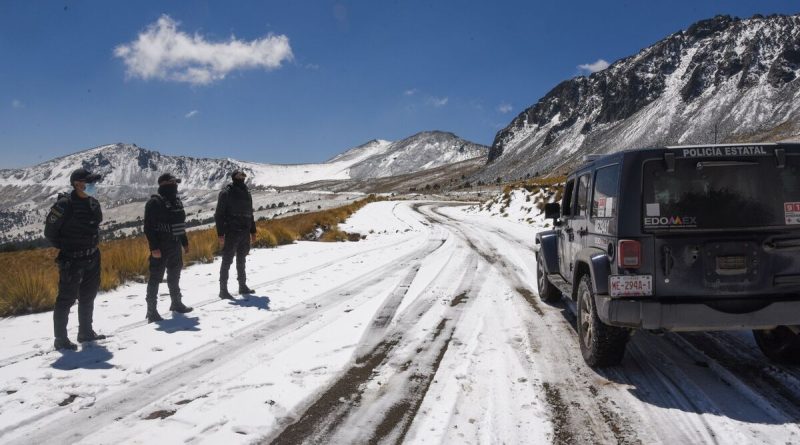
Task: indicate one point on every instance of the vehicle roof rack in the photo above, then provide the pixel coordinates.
(744, 144)
(592, 157)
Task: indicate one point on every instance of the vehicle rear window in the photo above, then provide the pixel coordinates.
(714, 194)
(604, 198)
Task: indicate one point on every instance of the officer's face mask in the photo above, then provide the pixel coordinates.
(90, 189)
(169, 189)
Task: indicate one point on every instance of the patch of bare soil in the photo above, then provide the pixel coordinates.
(160, 414)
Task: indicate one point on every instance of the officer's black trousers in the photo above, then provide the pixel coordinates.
(238, 244)
(78, 279)
(171, 261)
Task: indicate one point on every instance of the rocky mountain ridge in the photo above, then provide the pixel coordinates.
(722, 79)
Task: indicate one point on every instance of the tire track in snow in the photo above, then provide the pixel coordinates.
(382, 414)
(576, 411)
(775, 388)
(184, 369)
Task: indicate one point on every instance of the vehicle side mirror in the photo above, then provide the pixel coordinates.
(552, 210)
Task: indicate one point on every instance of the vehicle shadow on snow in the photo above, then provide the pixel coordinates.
(253, 301)
(683, 384)
(91, 356)
(178, 322)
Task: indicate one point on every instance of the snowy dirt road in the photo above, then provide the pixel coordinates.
(429, 331)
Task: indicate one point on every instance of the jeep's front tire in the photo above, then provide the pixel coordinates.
(601, 345)
(547, 291)
(780, 345)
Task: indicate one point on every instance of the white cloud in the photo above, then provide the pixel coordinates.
(504, 108)
(340, 13)
(191, 114)
(594, 67)
(438, 101)
(410, 92)
(16, 103)
(162, 52)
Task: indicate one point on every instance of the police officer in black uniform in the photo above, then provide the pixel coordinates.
(236, 228)
(165, 228)
(73, 227)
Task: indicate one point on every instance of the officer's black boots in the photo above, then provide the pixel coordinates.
(89, 335)
(178, 306)
(243, 289)
(153, 316)
(152, 313)
(223, 292)
(64, 344)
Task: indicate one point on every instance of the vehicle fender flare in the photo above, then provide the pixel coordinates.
(599, 267)
(547, 244)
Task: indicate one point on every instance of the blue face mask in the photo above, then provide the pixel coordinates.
(91, 189)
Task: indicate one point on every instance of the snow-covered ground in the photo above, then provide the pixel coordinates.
(428, 331)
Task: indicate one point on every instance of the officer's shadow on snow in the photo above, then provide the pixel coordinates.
(178, 322)
(253, 301)
(91, 356)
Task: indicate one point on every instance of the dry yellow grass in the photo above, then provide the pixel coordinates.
(334, 234)
(264, 238)
(29, 282)
(25, 289)
(203, 246)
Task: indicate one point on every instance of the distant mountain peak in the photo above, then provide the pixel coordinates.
(420, 151)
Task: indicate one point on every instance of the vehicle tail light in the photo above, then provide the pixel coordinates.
(629, 254)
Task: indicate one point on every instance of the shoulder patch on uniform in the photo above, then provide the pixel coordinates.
(54, 215)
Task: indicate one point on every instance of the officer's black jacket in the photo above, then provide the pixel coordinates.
(164, 221)
(234, 210)
(73, 223)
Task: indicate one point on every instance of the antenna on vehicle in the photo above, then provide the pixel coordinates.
(780, 154)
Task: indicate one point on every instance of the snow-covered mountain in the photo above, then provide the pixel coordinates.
(362, 152)
(422, 151)
(130, 173)
(725, 77)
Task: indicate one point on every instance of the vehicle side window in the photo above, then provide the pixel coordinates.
(566, 201)
(582, 196)
(604, 198)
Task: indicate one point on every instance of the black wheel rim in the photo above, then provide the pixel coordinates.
(585, 311)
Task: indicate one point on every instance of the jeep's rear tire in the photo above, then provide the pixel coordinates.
(780, 345)
(547, 291)
(601, 345)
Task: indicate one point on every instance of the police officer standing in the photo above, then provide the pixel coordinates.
(236, 228)
(73, 227)
(165, 229)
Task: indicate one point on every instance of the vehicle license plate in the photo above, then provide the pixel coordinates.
(630, 285)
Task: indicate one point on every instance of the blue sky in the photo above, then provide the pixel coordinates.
(301, 81)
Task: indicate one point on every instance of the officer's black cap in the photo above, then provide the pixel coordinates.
(82, 174)
(167, 177)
